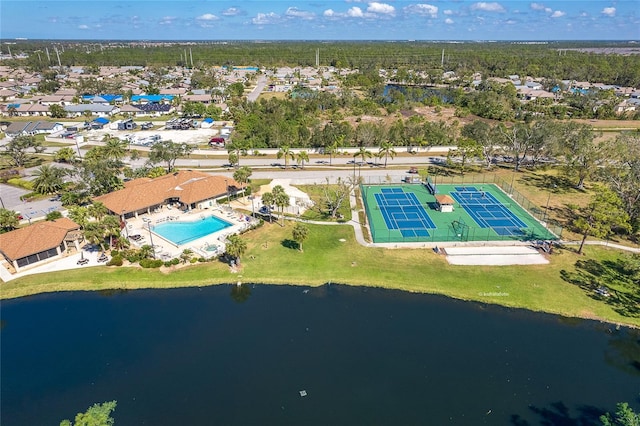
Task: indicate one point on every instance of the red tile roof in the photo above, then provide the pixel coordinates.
(187, 186)
(35, 238)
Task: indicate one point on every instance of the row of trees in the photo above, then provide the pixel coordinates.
(612, 162)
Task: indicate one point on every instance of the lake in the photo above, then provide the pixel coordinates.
(241, 356)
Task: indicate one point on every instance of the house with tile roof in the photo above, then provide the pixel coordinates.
(186, 189)
(39, 242)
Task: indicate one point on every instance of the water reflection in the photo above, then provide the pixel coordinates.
(240, 293)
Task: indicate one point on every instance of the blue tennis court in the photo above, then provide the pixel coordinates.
(487, 211)
(402, 211)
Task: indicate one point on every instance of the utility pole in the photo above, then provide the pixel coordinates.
(317, 58)
(191, 56)
(442, 60)
(48, 56)
(58, 55)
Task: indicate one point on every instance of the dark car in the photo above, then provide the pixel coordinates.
(265, 210)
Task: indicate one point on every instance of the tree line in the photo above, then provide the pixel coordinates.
(551, 61)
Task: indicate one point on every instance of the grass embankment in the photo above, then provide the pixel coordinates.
(273, 258)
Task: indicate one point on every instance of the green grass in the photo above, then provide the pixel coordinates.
(270, 259)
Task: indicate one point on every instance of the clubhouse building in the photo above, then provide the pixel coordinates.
(183, 190)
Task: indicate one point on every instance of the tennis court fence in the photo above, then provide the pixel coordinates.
(538, 212)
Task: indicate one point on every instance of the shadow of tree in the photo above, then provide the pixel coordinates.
(290, 244)
(555, 184)
(615, 282)
(623, 351)
(558, 415)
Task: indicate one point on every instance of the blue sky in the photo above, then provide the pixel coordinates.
(321, 20)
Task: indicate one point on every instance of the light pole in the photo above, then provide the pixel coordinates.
(124, 222)
(226, 185)
(153, 249)
(546, 208)
(253, 210)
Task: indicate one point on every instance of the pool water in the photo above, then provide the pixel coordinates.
(184, 232)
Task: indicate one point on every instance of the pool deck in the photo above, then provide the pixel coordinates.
(207, 246)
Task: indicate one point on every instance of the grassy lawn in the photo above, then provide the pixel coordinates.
(332, 255)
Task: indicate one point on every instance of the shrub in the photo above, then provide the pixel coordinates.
(115, 261)
(167, 264)
(21, 183)
(151, 263)
(175, 261)
(193, 260)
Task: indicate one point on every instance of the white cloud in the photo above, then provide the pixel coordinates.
(381, 8)
(558, 14)
(294, 12)
(609, 11)
(488, 7)
(329, 13)
(537, 6)
(355, 12)
(422, 9)
(232, 11)
(448, 12)
(83, 27)
(510, 22)
(448, 21)
(167, 20)
(207, 17)
(266, 19)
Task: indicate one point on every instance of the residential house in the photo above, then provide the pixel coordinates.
(30, 128)
(95, 109)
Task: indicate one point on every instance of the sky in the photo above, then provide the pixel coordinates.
(320, 20)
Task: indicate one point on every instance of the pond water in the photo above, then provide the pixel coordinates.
(243, 355)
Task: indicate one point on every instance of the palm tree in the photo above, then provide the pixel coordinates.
(186, 255)
(285, 151)
(79, 215)
(8, 220)
(236, 247)
(363, 153)
(268, 200)
(387, 150)
(114, 148)
(300, 233)
(331, 149)
(281, 200)
(302, 157)
(48, 179)
(97, 210)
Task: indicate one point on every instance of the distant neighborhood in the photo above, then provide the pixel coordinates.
(136, 92)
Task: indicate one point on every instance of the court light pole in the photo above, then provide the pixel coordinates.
(546, 208)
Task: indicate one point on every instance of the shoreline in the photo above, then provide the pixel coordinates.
(494, 301)
(333, 255)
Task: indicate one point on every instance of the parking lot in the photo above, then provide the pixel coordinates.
(29, 210)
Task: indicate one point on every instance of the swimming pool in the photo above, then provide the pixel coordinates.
(184, 232)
